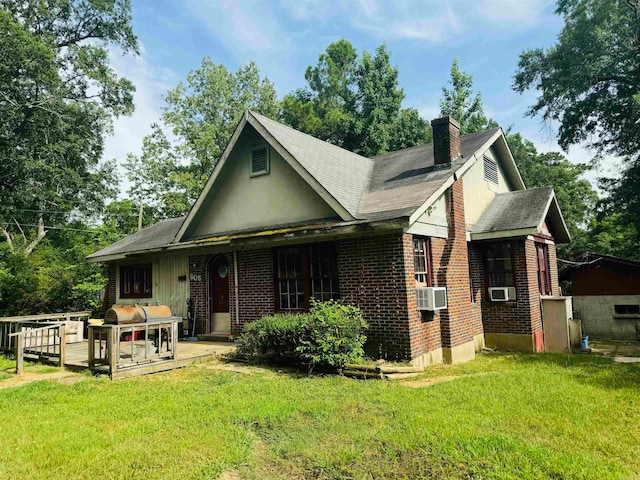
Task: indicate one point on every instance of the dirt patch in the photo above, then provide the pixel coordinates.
(236, 368)
(229, 475)
(427, 382)
(64, 377)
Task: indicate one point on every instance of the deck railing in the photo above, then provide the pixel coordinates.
(9, 325)
(39, 342)
(126, 346)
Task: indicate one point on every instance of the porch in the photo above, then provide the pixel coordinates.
(186, 353)
(120, 351)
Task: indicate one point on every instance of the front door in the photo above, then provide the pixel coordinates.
(219, 320)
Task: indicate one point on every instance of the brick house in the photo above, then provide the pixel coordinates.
(286, 217)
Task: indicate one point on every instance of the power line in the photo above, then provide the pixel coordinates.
(54, 228)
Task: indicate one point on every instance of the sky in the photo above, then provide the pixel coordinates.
(285, 36)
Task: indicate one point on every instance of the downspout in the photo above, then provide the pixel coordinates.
(235, 285)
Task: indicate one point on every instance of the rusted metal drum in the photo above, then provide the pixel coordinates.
(155, 313)
(124, 315)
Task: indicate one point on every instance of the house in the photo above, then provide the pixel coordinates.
(285, 217)
(606, 296)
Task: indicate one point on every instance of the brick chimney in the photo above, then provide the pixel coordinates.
(446, 139)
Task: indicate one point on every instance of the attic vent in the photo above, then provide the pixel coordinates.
(490, 170)
(260, 161)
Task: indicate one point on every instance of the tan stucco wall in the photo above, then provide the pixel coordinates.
(427, 359)
(598, 318)
(165, 271)
(465, 352)
(433, 222)
(478, 192)
(239, 201)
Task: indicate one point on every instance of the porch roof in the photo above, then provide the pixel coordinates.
(522, 212)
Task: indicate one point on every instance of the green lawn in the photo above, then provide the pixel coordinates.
(507, 416)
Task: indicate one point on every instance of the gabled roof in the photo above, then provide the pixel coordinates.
(344, 174)
(397, 185)
(522, 212)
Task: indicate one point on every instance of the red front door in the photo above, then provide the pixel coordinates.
(219, 318)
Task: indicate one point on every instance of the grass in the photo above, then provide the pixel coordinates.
(506, 416)
(8, 367)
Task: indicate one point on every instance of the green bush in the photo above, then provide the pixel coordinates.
(330, 335)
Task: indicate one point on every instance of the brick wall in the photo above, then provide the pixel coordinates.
(110, 293)
(523, 315)
(553, 265)
(198, 290)
(373, 276)
(424, 327)
(255, 287)
(462, 320)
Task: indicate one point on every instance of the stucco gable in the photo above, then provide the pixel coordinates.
(238, 200)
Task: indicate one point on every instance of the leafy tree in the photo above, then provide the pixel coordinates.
(202, 114)
(355, 102)
(58, 97)
(459, 102)
(589, 80)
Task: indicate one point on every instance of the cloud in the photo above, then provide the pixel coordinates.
(512, 14)
(151, 81)
(434, 22)
(246, 29)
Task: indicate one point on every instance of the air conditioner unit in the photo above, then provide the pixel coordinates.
(431, 298)
(502, 294)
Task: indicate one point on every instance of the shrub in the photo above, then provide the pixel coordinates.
(274, 337)
(330, 335)
(334, 336)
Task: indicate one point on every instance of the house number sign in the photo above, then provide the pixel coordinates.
(195, 277)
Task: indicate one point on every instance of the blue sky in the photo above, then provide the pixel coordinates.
(285, 36)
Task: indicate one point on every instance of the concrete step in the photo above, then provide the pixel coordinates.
(215, 337)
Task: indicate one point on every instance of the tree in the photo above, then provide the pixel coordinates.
(58, 97)
(590, 79)
(589, 82)
(355, 103)
(202, 114)
(459, 102)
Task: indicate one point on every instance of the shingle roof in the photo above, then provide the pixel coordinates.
(515, 210)
(405, 179)
(388, 186)
(158, 235)
(342, 173)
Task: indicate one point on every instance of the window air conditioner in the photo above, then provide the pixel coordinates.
(431, 298)
(501, 294)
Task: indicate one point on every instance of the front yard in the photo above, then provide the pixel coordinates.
(500, 416)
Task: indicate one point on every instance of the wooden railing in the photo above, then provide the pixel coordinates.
(9, 325)
(122, 347)
(39, 342)
(40, 337)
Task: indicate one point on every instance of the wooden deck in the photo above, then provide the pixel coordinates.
(77, 356)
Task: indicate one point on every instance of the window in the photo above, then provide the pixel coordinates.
(260, 161)
(324, 272)
(490, 170)
(499, 265)
(544, 272)
(422, 260)
(290, 278)
(627, 309)
(305, 272)
(135, 281)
